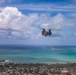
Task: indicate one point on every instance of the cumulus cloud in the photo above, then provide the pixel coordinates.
(14, 24)
(11, 18)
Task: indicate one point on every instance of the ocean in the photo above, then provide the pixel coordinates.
(38, 54)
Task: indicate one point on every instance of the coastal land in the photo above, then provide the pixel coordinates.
(11, 68)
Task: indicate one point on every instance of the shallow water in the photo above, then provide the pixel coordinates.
(38, 54)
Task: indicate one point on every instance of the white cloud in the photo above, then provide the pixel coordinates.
(1, 8)
(11, 18)
(8, 16)
(14, 24)
(47, 7)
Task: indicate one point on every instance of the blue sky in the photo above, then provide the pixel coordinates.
(36, 1)
(21, 22)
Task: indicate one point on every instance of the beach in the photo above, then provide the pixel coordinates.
(11, 68)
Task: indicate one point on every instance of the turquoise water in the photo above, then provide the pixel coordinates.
(38, 54)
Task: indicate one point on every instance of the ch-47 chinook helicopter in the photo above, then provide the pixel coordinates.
(45, 33)
(50, 31)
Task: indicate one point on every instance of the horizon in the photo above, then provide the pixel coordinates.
(19, 45)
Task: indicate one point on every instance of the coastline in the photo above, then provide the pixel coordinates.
(11, 68)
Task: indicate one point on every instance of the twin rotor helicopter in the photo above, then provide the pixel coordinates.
(45, 33)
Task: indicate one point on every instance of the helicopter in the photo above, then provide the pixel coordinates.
(48, 31)
(45, 33)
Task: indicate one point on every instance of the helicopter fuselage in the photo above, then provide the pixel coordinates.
(45, 33)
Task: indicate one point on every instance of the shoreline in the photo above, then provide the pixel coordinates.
(11, 68)
(36, 62)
